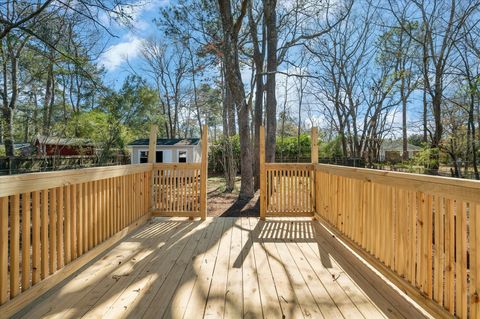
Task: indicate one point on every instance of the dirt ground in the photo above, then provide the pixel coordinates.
(224, 204)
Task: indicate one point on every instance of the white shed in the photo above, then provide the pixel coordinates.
(393, 150)
(169, 150)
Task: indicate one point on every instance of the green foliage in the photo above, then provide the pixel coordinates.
(92, 125)
(416, 139)
(216, 154)
(129, 113)
(331, 149)
(425, 157)
(292, 147)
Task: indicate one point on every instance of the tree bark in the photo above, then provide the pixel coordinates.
(271, 107)
(47, 101)
(234, 82)
(229, 167)
(404, 120)
(258, 59)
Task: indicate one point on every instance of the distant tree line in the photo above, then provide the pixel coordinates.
(363, 71)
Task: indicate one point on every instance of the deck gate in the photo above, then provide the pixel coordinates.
(287, 189)
(180, 189)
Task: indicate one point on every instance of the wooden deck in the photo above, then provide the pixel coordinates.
(225, 268)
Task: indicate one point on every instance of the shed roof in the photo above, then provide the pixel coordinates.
(167, 142)
(397, 145)
(55, 140)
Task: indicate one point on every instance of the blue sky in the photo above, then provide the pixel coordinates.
(123, 51)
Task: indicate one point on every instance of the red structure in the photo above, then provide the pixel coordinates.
(51, 145)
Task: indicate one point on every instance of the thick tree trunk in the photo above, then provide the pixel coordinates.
(234, 82)
(258, 59)
(271, 107)
(229, 167)
(438, 130)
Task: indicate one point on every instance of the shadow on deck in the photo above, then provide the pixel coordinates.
(225, 267)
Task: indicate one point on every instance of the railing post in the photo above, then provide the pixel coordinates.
(314, 159)
(152, 144)
(152, 150)
(263, 181)
(314, 145)
(204, 174)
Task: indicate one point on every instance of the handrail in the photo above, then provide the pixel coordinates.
(23, 183)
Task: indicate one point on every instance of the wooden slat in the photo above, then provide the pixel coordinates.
(80, 219)
(450, 255)
(14, 245)
(4, 280)
(461, 260)
(475, 259)
(44, 234)
(90, 230)
(52, 222)
(60, 230)
(26, 249)
(68, 224)
(36, 252)
(252, 302)
(439, 250)
(74, 218)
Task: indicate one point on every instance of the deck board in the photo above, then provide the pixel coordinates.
(225, 268)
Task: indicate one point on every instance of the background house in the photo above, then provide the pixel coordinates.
(52, 145)
(392, 151)
(175, 150)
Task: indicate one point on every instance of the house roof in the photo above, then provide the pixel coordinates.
(21, 145)
(398, 146)
(55, 140)
(167, 142)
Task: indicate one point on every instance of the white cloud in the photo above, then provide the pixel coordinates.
(118, 53)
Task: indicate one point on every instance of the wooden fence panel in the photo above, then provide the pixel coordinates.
(424, 229)
(47, 226)
(290, 189)
(176, 189)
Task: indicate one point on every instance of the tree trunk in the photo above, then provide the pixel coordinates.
(271, 107)
(471, 122)
(229, 167)
(404, 121)
(9, 137)
(258, 58)
(232, 129)
(234, 82)
(47, 101)
(9, 110)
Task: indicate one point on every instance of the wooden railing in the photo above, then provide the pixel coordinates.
(54, 222)
(424, 230)
(289, 189)
(176, 189)
(179, 189)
